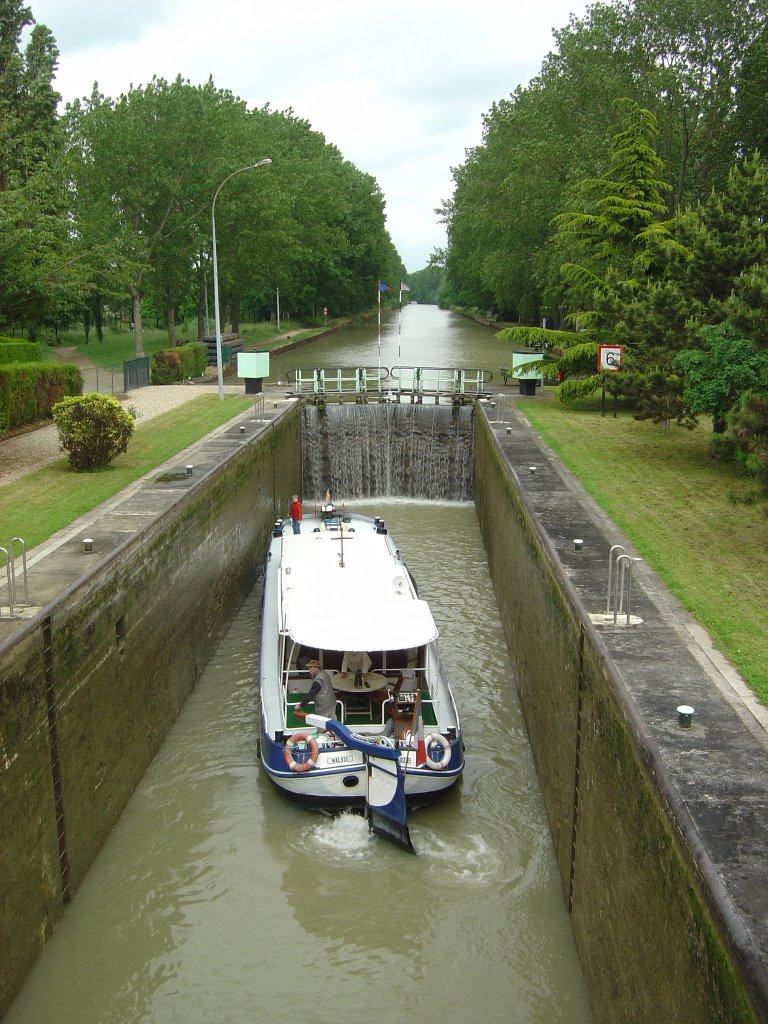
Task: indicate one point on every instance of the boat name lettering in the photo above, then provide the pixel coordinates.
(341, 759)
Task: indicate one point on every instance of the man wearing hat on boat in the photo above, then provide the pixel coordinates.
(321, 692)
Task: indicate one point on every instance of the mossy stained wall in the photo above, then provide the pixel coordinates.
(30, 879)
(89, 690)
(649, 948)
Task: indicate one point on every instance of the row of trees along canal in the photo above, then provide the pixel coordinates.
(621, 197)
(108, 204)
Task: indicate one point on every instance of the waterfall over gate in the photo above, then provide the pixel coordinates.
(388, 450)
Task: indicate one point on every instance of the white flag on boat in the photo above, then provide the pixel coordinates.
(404, 287)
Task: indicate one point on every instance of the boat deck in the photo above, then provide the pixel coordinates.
(359, 709)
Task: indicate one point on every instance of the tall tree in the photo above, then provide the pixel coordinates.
(706, 271)
(37, 274)
(704, 268)
(751, 118)
(620, 212)
(678, 60)
(718, 371)
(151, 158)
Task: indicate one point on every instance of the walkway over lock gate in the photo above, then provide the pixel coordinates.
(414, 384)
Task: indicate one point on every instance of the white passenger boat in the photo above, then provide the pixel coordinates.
(393, 740)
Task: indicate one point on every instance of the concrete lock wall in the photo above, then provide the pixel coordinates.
(91, 685)
(642, 919)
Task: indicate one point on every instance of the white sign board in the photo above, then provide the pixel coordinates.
(252, 364)
(609, 357)
(520, 359)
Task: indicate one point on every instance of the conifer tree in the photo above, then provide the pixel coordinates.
(620, 210)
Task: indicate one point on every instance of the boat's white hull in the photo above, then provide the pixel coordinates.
(343, 784)
(374, 597)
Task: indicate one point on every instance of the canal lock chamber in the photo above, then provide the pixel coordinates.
(643, 912)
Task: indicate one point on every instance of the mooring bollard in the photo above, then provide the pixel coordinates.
(685, 715)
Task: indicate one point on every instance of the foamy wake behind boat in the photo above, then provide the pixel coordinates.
(394, 739)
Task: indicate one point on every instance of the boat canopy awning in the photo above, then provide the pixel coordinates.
(394, 623)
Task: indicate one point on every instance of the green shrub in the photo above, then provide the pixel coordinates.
(15, 350)
(749, 434)
(171, 366)
(165, 367)
(93, 429)
(29, 391)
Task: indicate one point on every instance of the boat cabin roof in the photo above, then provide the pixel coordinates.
(347, 589)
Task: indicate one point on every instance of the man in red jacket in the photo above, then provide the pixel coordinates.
(296, 513)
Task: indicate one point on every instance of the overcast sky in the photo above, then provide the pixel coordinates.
(400, 88)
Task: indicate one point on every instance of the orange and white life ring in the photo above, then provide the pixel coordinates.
(435, 737)
(300, 737)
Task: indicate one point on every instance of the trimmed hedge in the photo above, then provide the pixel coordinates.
(173, 365)
(15, 350)
(29, 391)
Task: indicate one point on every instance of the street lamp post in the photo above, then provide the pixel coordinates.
(220, 376)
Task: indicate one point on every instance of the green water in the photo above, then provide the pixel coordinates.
(423, 336)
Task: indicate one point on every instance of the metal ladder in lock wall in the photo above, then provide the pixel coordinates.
(619, 584)
(9, 563)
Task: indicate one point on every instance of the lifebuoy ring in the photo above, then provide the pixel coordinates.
(435, 737)
(300, 737)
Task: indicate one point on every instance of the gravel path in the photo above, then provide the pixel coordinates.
(37, 448)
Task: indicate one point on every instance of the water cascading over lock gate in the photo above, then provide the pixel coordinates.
(367, 451)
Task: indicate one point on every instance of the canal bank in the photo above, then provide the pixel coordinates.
(126, 607)
(660, 830)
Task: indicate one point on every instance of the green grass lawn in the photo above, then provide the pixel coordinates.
(119, 344)
(41, 503)
(684, 512)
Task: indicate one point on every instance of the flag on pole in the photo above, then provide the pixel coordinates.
(381, 287)
(421, 750)
(404, 287)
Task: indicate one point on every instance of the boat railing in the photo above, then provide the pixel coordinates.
(295, 704)
(295, 684)
(301, 677)
(330, 517)
(407, 698)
